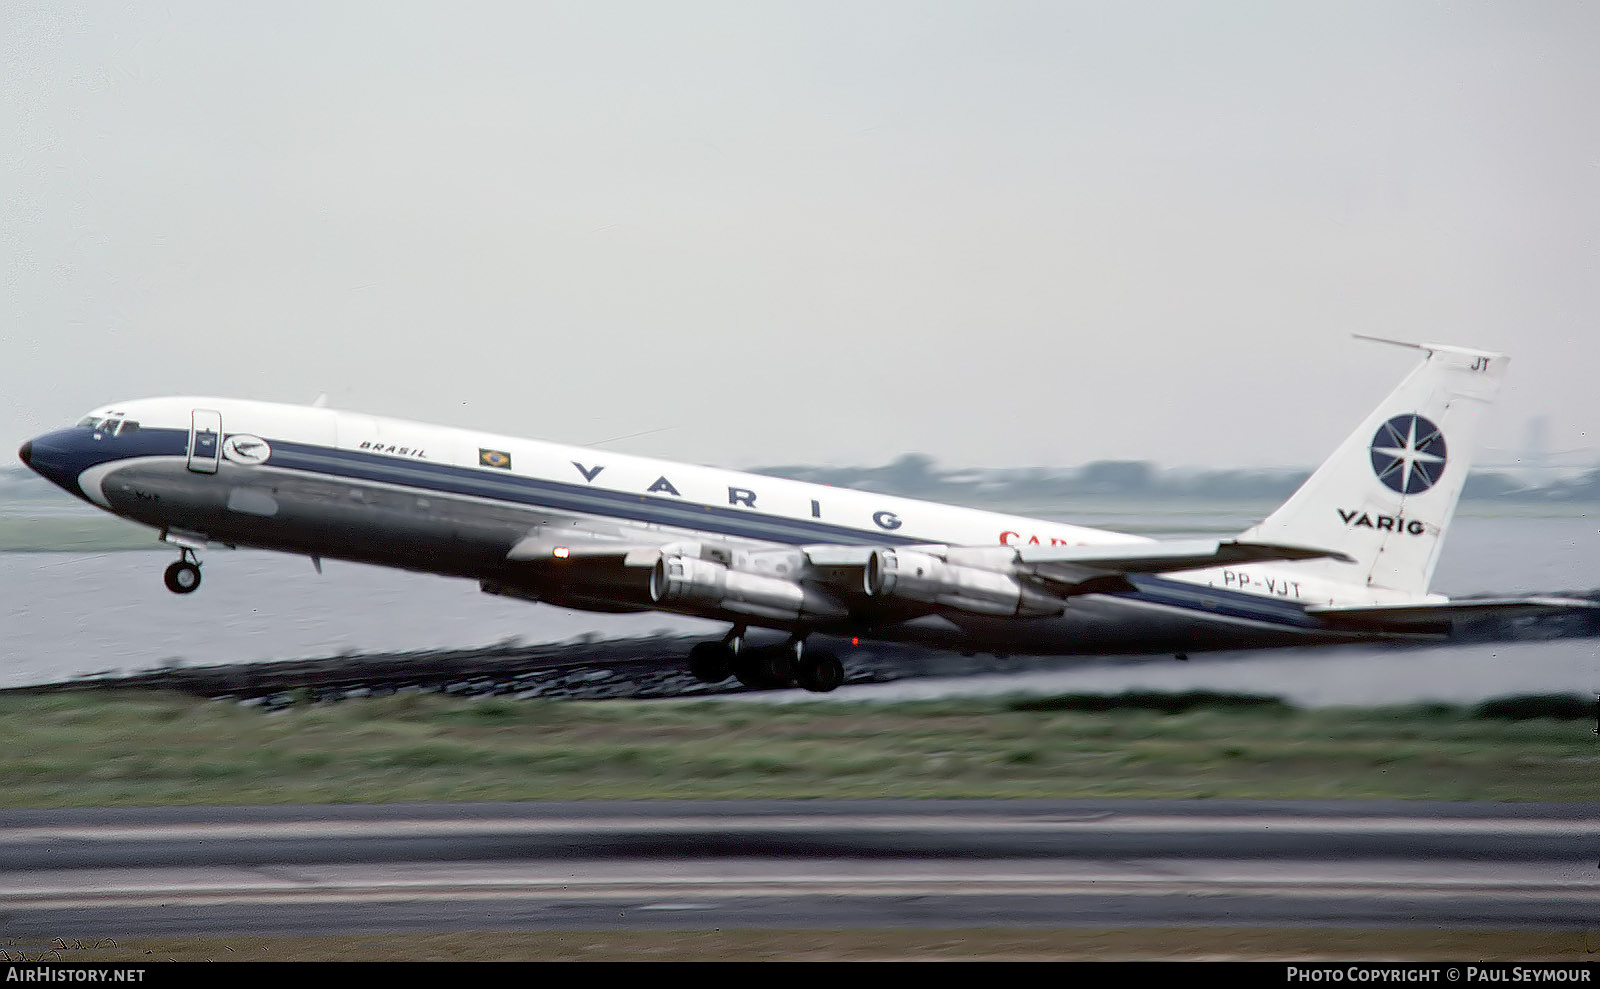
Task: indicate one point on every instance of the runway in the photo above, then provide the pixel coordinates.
(801, 864)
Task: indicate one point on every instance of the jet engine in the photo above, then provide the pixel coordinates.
(911, 576)
(690, 580)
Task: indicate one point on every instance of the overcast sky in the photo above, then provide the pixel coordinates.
(1001, 233)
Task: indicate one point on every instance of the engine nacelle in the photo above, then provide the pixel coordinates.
(912, 576)
(689, 580)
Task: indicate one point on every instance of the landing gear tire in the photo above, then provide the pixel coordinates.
(819, 672)
(711, 662)
(182, 577)
(765, 668)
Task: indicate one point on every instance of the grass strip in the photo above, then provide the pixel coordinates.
(145, 749)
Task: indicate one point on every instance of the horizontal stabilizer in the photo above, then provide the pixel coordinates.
(1171, 555)
(1403, 617)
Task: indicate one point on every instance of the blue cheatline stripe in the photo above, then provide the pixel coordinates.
(740, 523)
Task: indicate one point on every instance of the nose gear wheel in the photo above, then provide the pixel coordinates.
(183, 577)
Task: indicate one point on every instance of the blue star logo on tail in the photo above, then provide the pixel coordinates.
(1408, 454)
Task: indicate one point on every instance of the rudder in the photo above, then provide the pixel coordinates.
(1389, 491)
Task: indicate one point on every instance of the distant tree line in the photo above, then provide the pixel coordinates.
(917, 475)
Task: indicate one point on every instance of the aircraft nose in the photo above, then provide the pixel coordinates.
(51, 457)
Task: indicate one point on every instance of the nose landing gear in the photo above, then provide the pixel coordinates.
(183, 577)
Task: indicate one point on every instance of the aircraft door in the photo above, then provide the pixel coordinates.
(205, 441)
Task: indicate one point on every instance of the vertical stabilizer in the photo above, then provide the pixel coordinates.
(1388, 493)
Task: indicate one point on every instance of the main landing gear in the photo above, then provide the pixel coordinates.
(766, 667)
(183, 577)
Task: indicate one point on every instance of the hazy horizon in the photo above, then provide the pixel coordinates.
(1003, 233)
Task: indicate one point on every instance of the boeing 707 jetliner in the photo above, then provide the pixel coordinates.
(1348, 557)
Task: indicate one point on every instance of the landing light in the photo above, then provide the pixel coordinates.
(561, 552)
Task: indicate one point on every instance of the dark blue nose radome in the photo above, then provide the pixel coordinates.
(52, 458)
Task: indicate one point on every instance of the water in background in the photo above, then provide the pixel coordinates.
(69, 614)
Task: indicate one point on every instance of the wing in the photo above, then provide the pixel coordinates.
(1027, 581)
(581, 565)
(633, 546)
(1070, 567)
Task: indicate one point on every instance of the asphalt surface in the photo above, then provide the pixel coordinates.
(120, 873)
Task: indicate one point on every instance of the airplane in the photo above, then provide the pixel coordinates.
(1347, 558)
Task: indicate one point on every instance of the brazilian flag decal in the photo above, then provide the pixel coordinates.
(494, 458)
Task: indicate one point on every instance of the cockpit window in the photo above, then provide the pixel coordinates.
(108, 425)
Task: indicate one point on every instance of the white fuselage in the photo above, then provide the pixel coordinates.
(328, 483)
